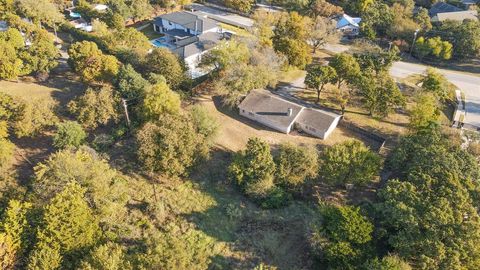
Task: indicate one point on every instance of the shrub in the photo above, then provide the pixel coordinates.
(69, 133)
(253, 168)
(295, 164)
(349, 162)
(276, 198)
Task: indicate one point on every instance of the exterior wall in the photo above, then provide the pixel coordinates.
(311, 130)
(214, 30)
(332, 127)
(167, 25)
(262, 120)
(192, 63)
(319, 133)
(349, 30)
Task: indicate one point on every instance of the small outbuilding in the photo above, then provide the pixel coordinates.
(282, 115)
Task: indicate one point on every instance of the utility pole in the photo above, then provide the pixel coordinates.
(125, 107)
(414, 39)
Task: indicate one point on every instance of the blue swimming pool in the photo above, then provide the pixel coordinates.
(161, 42)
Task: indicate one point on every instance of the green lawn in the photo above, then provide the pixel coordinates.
(150, 33)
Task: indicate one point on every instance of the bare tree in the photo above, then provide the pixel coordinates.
(322, 31)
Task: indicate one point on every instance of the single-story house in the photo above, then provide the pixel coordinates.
(189, 35)
(442, 7)
(282, 115)
(456, 16)
(349, 26)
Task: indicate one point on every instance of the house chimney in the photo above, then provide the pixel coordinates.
(289, 112)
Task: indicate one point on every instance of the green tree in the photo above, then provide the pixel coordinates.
(343, 239)
(244, 6)
(347, 68)
(42, 54)
(429, 214)
(141, 9)
(34, 116)
(379, 92)
(10, 64)
(464, 36)
(40, 11)
(422, 18)
(322, 8)
(7, 150)
(162, 61)
(349, 162)
(69, 223)
(91, 63)
(45, 257)
(425, 111)
(295, 165)
(159, 100)
(130, 83)
(433, 47)
(16, 233)
(263, 27)
(290, 35)
(318, 76)
(95, 107)
(7, 252)
(109, 256)
(69, 133)
(253, 168)
(434, 82)
(389, 262)
(227, 54)
(377, 60)
(170, 146)
(205, 124)
(105, 189)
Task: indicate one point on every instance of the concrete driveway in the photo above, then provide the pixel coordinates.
(468, 83)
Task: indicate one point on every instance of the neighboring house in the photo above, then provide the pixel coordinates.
(3, 26)
(283, 115)
(470, 4)
(442, 7)
(82, 25)
(456, 16)
(100, 7)
(189, 35)
(349, 26)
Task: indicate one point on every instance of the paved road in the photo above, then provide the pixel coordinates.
(468, 83)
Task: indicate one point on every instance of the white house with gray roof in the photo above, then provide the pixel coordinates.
(283, 115)
(189, 35)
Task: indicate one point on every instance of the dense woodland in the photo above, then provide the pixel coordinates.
(156, 192)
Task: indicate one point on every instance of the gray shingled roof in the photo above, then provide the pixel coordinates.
(457, 16)
(320, 120)
(442, 7)
(203, 42)
(188, 20)
(272, 107)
